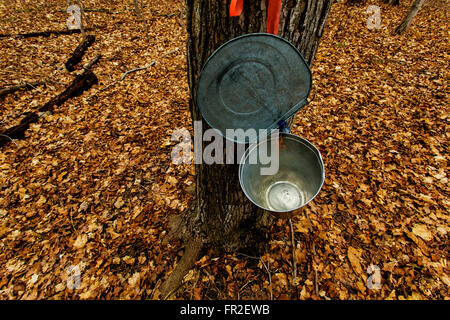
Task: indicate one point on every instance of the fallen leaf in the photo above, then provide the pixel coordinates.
(422, 231)
(119, 203)
(354, 256)
(80, 242)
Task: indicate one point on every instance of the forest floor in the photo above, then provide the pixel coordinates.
(85, 196)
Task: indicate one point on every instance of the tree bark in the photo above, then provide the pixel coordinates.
(221, 215)
(415, 7)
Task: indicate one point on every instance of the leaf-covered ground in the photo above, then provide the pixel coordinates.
(91, 186)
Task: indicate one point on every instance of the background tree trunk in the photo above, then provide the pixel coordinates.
(221, 215)
(415, 7)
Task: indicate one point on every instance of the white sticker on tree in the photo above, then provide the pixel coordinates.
(374, 21)
(74, 20)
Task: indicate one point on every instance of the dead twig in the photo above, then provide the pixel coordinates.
(26, 86)
(266, 267)
(242, 288)
(130, 71)
(270, 276)
(316, 284)
(294, 258)
(92, 62)
(8, 137)
(134, 70)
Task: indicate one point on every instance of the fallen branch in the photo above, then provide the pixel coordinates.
(48, 33)
(121, 78)
(294, 258)
(134, 70)
(100, 10)
(78, 54)
(26, 86)
(80, 84)
(18, 131)
(92, 62)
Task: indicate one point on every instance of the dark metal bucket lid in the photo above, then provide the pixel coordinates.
(254, 81)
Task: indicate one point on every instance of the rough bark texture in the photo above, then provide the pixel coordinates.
(415, 7)
(221, 215)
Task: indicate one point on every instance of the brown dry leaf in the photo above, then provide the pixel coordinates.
(421, 230)
(119, 203)
(189, 276)
(391, 296)
(96, 174)
(80, 241)
(133, 281)
(390, 266)
(445, 279)
(41, 201)
(354, 256)
(128, 260)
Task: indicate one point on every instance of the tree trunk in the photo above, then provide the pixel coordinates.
(222, 216)
(415, 7)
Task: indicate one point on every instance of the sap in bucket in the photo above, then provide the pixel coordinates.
(297, 181)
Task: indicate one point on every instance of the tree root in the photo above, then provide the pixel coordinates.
(190, 256)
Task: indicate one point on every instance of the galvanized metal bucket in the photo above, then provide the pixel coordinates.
(298, 180)
(258, 81)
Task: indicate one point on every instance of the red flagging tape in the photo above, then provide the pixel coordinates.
(273, 16)
(236, 7)
(273, 13)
